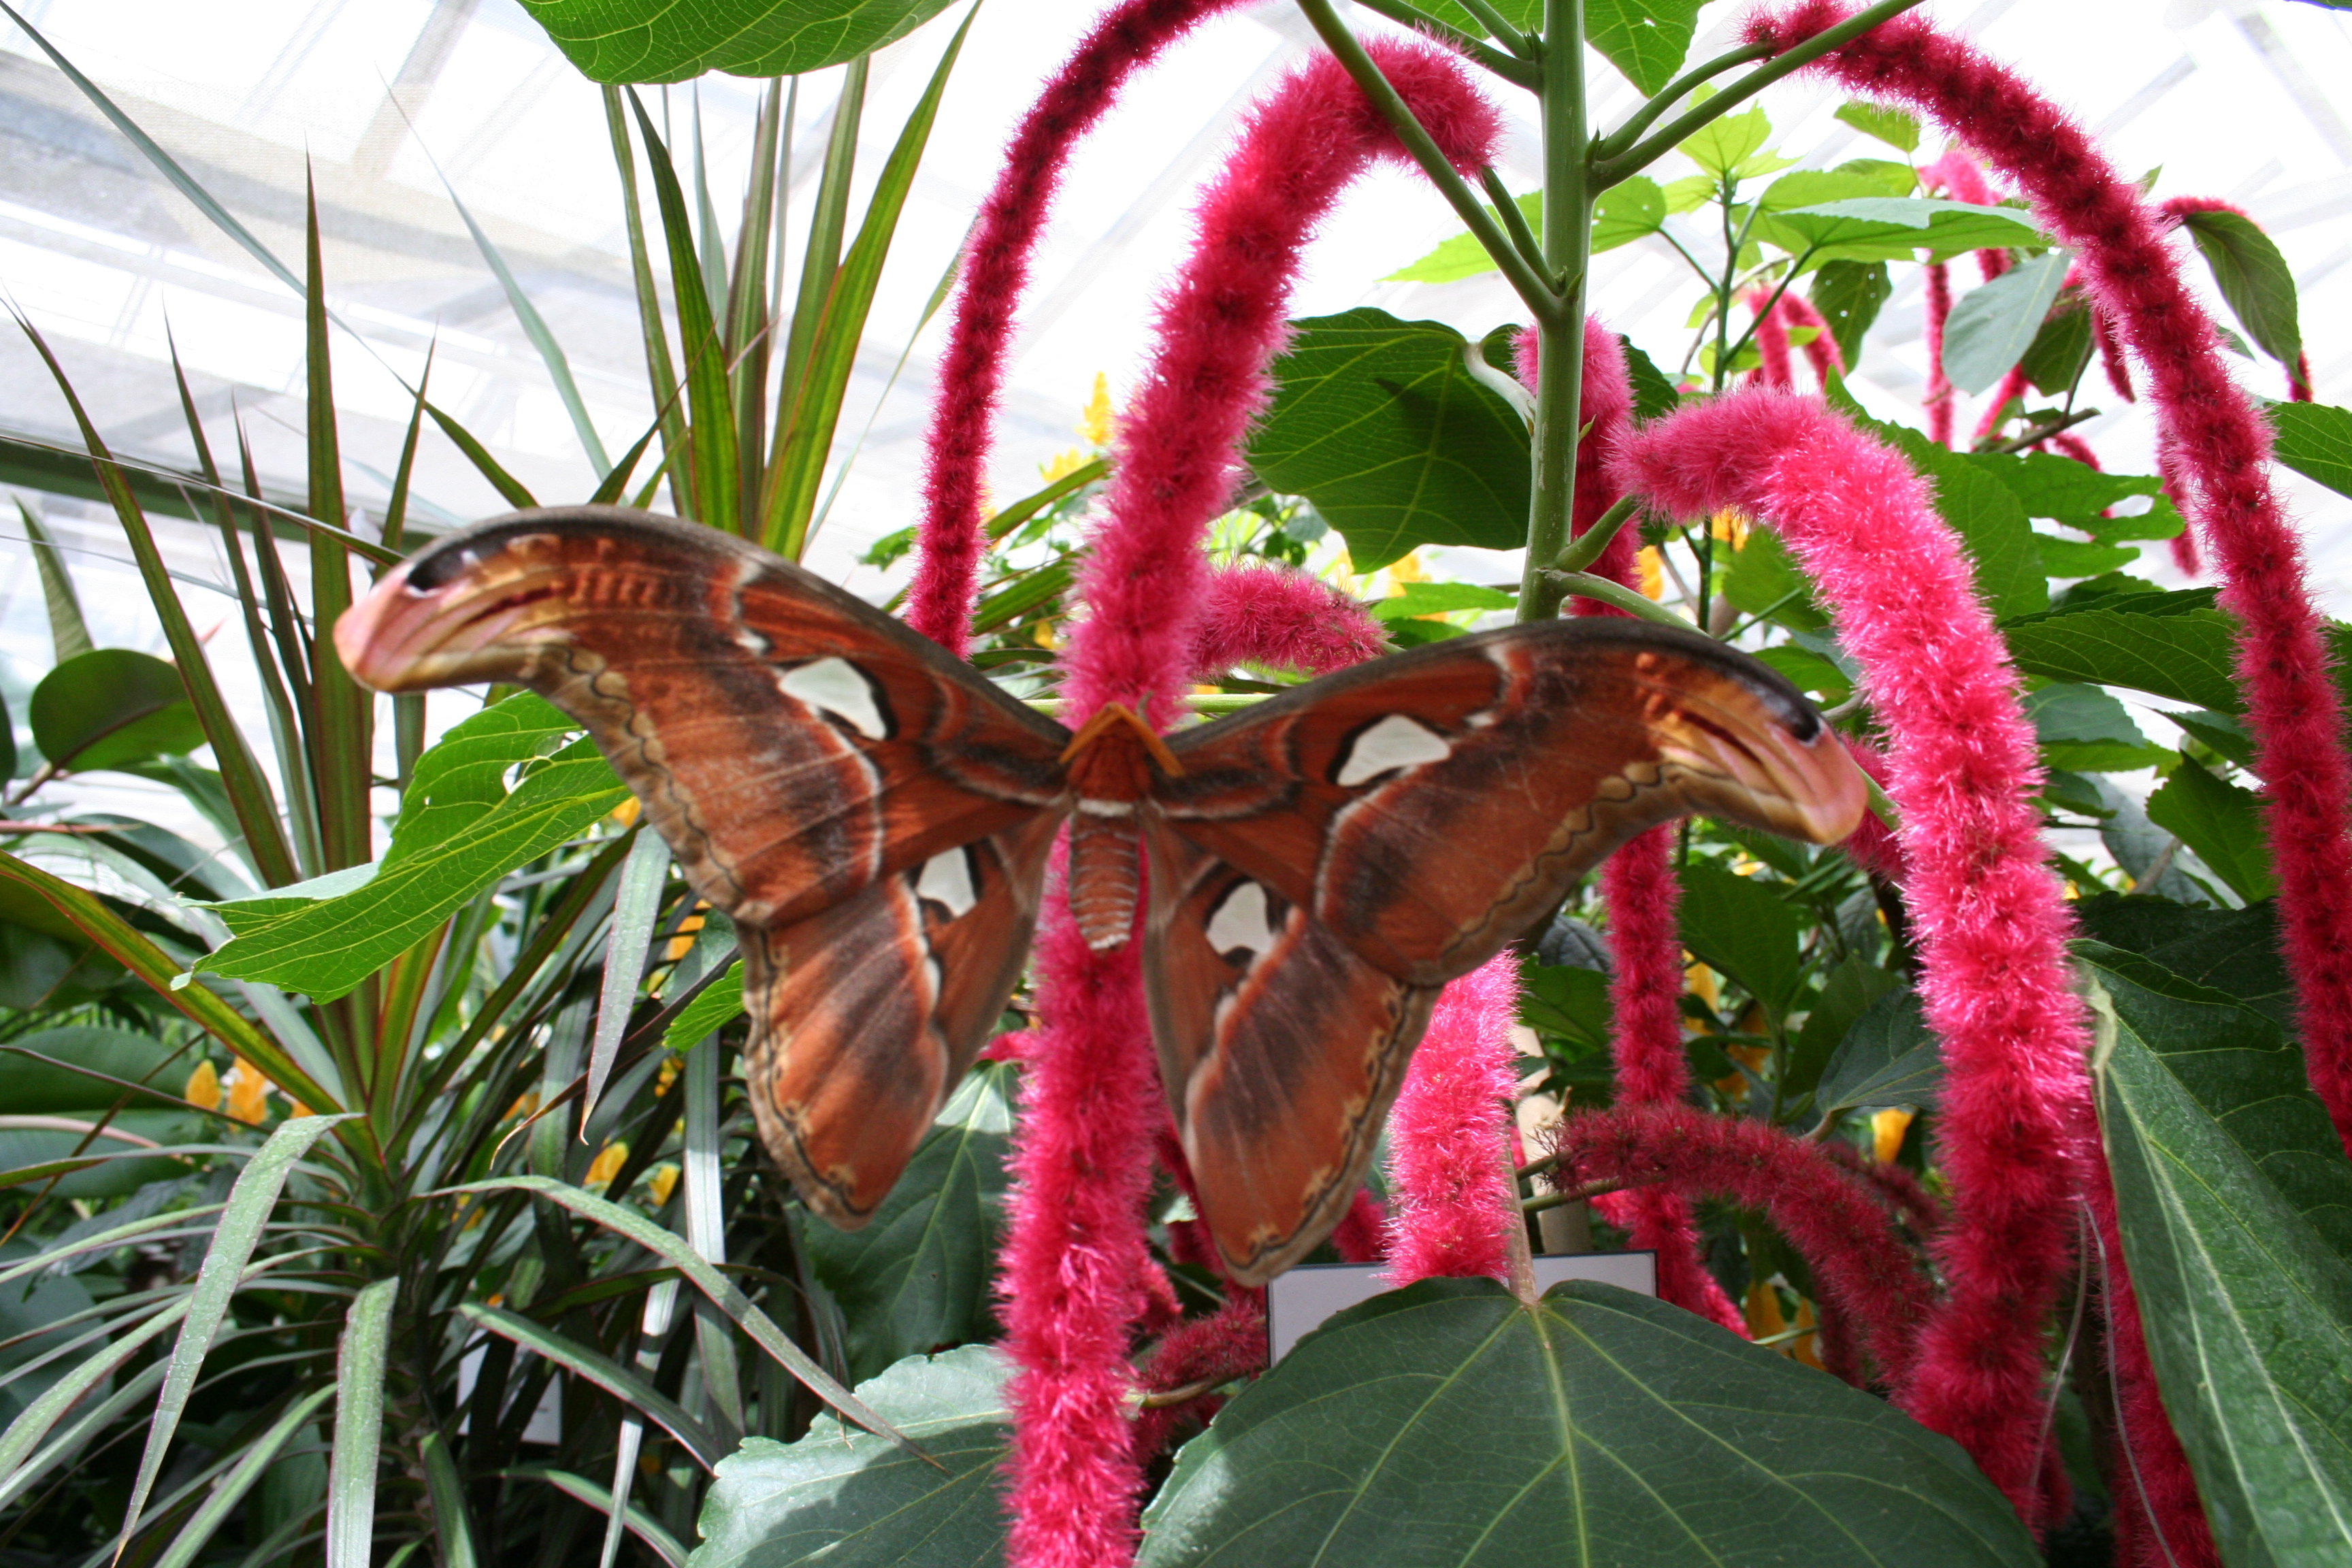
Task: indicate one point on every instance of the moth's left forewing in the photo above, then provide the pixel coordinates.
(1429, 807)
(1281, 1049)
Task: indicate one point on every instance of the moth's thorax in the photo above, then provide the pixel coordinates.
(1112, 760)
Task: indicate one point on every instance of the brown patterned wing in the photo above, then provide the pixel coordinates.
(865, 1016)
(873, 815)
(792, 743)
(1428, 807)
(1281, 1049)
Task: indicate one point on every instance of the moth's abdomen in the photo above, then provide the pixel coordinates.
(1103, 883)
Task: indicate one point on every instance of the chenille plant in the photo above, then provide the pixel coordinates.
(340, 1158)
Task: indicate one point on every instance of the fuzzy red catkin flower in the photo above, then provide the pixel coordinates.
(1860, 1264)
(1083, 1150)
(995, 270)
(1271, 614)
(1822, 351)
(1989, 917)
(1771, 342)
(1451, 1202)
(1939, 398)
(1230, 1342)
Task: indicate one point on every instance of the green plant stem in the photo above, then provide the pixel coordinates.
(1533, 291)
(1616, 166)
(1645, 117)
(1519, 72)
(1515, 222)
(1500, 27)
(1563, 583)
(1559, 361)
(1587, 547)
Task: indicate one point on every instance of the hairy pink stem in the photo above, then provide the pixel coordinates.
(949, 542)
(1938, 400)
(1990, 919)
(1451, 1207)
(1084, 1148)
(1859, 1260)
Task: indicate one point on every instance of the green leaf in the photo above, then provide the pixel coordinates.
(111, 706)
(1894, 228)
(2316, 441)
(68, 633)
(1624, 214)
(2142, 642)
(1853, 181)
(720, 1003)
(1761, 576)
(1461, 256)
(2220, 733)
(1849, 295)
(1646, 39)
(1444, 1423)
(29, 1086)
(917, 1275)
(2083, 730)
(1741, 927)
(1438, 598)
(352, 1463)
(1689, 194)
(2232, 950)
(658, 40)
(1723, 147)
(253, 1461)
(1564, 1000)
(1888, 1058)
(585, 1361)
(219, 1277)
(1654, 395)
(1810, 671)
(2054, 361)
(2220, 821)
(1845, 995)
(2232, 1195)
(1892, 126)
(1994, 324)
(640, 1524)
(1988, 519)
(459, 831)
(1381, 424)
(843, 1499)
(2074, 493)
(2252, 276)
(2063, 558)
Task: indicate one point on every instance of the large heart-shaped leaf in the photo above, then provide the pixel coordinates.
(2252, 276)
(1382, 424)
(2316, 441)
(2143, 642)
(1888, 1058)
(1646, 39)
(846, 1498)
(915, 1276)
(2221, 822)
(1991, 522)
(661, 40)
(2234, 1200)
(1740, 927)
(1994, 324)
(1894, 228)
(1447, 1423)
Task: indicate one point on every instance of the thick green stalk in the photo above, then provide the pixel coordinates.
(1560, 374)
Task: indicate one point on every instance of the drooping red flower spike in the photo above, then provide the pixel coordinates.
(1083, 1149)
(1867, 1274)
(1771, 342)
(1822, 351)
(1939, 398)
(2216, 444)
(1452, 1202)
(949, 541)
(1989, 917)
(1265, 613)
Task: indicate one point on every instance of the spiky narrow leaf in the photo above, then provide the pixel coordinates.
(217, 1280)
(358, 1426)
(635, 907)
(641, 1524)
(343, 742)
(710, 437)
(230, 1489)
(606, 1373)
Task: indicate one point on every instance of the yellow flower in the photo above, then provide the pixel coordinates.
(523, 1106)
(606, 1164)
(1887, 1131)
(296, 1108)
(663, 1180)
(1702, 982)
(1752, 1057)
(665, 1076)
(1763, 1304)
(1802, 1348)
(683, 942)
(1652, 573)
(1730, 527)
(1044, 632)
(1068, 463)
(248, 1092)
(625, 814)
(1408, 569)
(1097, 424)
(203, 1091)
